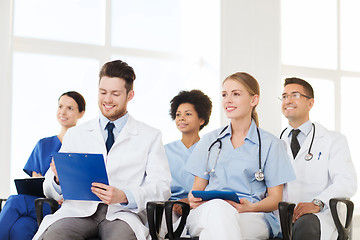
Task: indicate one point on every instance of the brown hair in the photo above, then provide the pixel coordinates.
(251, 85)
(121, 70)
(78, 98)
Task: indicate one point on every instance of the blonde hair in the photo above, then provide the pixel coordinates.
(251, 85)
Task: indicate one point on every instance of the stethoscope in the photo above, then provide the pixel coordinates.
(259, 175)
(309, 155)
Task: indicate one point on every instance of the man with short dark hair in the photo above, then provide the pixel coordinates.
(136, 164)
(322, 164)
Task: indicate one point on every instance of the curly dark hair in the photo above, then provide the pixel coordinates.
(201, 102)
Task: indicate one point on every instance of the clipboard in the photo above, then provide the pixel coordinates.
(76, 172)
(209, 195)
(30, 186)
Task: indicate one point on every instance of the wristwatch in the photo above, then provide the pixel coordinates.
(319, 203)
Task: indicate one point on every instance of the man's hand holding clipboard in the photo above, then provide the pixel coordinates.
(108, 194)
(83, 176)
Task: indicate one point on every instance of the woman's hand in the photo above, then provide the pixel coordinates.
(108, 194)
(270, 202)
(177, 208)
(35, 174)
(244, 205)
(194, 202)
(199, 184)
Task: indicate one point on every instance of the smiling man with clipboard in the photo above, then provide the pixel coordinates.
(135, 161)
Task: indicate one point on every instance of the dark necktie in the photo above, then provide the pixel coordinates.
(110, 139)
(295, 146)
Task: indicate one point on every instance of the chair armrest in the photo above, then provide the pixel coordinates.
(286, 211)
(39, 204)
(169, 218)
(343, 231)
(154, 215)
(1, 202)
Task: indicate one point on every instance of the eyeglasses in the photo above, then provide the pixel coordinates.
(294, 95)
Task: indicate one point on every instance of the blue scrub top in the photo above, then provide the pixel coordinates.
(235, 168)
(182, 181)
(40, 158)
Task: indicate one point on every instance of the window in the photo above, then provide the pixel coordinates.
(60, 46)
(325, 51)
(81, 21)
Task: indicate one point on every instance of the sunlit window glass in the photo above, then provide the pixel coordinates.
(350, 35)
(309, 31)
(155, 88)
(324, 106)
(143, 24)
(350, 119)
(81, 21)
(38, 81)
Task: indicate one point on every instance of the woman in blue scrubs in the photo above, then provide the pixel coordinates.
(18, 218)
(191, 112)
(234, 167)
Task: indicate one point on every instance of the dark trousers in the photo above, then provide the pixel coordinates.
(77, 228)
(307, 227)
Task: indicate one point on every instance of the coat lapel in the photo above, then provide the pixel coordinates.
(94, 128)
(319, 133)
(130, 129)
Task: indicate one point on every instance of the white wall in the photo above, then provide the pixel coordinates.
(250, 32)
(5, 96)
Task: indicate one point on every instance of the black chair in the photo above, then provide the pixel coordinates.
(1, 202)
(39, 206)
(344, 231)
(54, 206)
(155, 211)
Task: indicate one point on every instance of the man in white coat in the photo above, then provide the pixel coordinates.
(135, 161)
(322, 164)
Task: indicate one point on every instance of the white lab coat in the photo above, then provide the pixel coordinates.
(136, 162)
(330, 175)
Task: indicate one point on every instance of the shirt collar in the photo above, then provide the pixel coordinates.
(305, 128)
(119, 123)
(251, 135)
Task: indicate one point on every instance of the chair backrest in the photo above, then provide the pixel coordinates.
(286, 211)
(344, 231)
(154, 214)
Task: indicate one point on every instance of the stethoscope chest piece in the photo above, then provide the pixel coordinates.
(259, 175)
(308, 156)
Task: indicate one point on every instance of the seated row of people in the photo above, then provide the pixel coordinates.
(260, 167)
